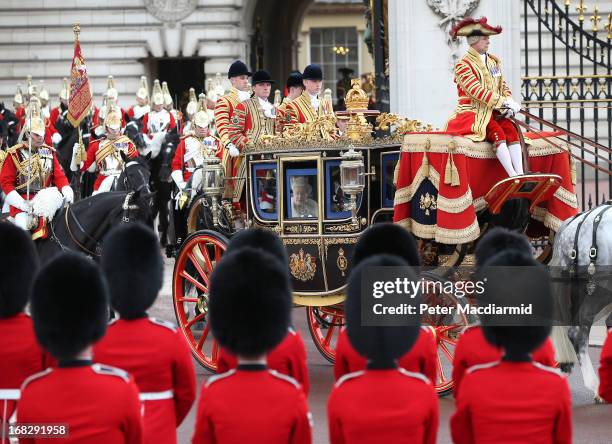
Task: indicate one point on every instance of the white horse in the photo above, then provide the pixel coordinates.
(582, 285)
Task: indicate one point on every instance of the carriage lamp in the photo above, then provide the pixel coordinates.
(352, 178)
(213, 178)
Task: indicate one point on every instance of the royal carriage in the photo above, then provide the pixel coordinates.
(319, 192)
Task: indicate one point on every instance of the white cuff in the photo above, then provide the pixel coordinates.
(56, 138)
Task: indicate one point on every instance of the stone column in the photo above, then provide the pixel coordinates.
(420, 68)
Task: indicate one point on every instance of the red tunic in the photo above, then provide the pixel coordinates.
(605, 369)
(8, 175)
(92, 150)
(20, 354)
(383, 406)
(178, 161)
(145, 123)
(421, 358)
(156, 354)
(473, 349)
(100, 404)
(252, 405)
(513, 402)
(288, 358)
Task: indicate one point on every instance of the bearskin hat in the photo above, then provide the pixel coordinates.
(500, 239)
(259, 239)
(134, 269)
(250, 302)
(514, 279)
(387, 238)
(18, 262)
(381, 345)
(69, 305)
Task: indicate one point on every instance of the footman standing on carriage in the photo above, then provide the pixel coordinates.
(249, 315)
(151, 350)
(309, 105)
(485, 101)
(104, 155)
(294, 88)
(29, 167)
(238, 75)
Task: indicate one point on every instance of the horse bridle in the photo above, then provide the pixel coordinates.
(126, 180)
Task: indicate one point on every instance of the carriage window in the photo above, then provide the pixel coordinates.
(301, 191)
(265, 190)
(336, 203)
(389, 161)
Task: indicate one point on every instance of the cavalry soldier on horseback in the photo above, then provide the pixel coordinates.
(138, 111)
(29, 167)
(169, 105)
(104, 155)
(238, 75)
(158, 119)
(110, 101)
(485, 101)
(190, 110)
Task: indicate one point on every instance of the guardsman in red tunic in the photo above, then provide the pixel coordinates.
(309, 105)
(514, 399)
(40, 168)
(294, 88)
(605, 369)
(472, 347)
(20, 354)
(387, 238)
(251, 403)
(238, 75)
(104, 155)
(151, 350)
(97, 403)
(485, 101)
(18, 107)
(138, 111)
(384, 402)
(109, 102)
(289, 357)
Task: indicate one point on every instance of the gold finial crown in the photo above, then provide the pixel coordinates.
(608, 26)
(356, 98)
(596, 18)
(581, 8)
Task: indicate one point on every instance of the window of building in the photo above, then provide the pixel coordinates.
(334, 49)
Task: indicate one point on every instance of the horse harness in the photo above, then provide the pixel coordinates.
(593, 250)
(127, 208)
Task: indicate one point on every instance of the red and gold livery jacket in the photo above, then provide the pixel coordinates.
(224, 109)
(282, 116)
(106, 155)
(605, 369)
(249, 123)
(300, 110)
(46, 170)
(189, 152)
(481, 89)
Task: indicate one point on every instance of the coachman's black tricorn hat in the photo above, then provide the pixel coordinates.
(238, 68)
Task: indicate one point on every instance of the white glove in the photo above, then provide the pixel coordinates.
(233, 151)
(512, 107)
(56, 138)
(14, 199)
(68, 194)
(73, 164)
(177, 177)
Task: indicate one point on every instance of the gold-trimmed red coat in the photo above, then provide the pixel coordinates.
(481, 89)
(249, 123)
(300, 110)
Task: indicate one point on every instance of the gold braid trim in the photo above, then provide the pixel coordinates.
(541, 147)
(480, 204)
(549, 221)
(457, 205)
(417, 143)
(442, 235)
(567, 197)
(21, 166)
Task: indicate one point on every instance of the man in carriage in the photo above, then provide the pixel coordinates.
(104, 155)
(485, 101)
(29, 168)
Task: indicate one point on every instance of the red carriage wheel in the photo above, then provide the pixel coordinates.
(324, 324)
(190, 283)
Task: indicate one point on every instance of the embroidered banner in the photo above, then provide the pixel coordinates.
(80, 91)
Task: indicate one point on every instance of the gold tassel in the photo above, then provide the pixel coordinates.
(451, 174)
(572, 170)
(425, 162)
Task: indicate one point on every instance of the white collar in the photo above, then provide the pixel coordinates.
(243, 95)
(265, 104)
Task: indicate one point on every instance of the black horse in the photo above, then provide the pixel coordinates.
(83, 225)
(12, 125)
(161, 169)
